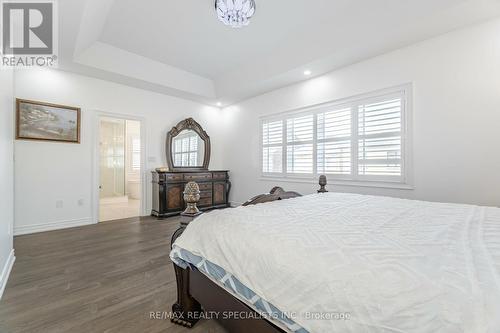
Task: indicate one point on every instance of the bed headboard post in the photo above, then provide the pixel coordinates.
(322, 183)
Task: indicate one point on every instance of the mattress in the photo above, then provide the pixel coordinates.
(231, 284)
(352, 263)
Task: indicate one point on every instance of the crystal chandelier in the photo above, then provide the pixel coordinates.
(236, 13)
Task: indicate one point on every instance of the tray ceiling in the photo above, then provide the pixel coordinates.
(180, 48)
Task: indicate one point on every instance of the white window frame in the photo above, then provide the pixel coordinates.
(404, 182)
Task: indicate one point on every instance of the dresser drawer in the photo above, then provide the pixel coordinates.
(197, 176)
(219, 175)
(205, 186)
(205, 202)
(167, 177)
(174, 176)
(205, 194)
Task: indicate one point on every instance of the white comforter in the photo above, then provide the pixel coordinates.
(394, 265)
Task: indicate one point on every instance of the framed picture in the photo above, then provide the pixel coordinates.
(47, 122)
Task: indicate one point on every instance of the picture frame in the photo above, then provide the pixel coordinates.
(40, 121)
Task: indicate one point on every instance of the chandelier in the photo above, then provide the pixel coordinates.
(235, 13)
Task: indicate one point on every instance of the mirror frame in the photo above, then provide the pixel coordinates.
(187, 124)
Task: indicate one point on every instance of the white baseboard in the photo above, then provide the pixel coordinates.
(33, 228)
(7, 268)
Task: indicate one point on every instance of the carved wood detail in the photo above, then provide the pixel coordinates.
(276, 193)
(187, 124)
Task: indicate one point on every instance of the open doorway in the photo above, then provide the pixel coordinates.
(120, 187)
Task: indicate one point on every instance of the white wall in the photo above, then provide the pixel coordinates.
(47, 172)
(6, 175)
(456, 124)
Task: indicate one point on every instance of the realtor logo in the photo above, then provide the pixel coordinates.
(28, 33)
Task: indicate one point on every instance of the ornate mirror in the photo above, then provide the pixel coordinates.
(188, 147)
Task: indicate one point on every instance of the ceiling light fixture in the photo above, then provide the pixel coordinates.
(219, 104)
(307, 72)
(235, 13)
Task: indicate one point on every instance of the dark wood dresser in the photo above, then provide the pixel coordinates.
(168, 188)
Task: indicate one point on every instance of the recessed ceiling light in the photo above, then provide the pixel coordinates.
(307, 72)
(219, 104)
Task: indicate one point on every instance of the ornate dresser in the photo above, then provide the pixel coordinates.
(168, 188)
(188, 156)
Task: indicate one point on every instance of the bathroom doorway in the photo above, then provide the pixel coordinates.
(120, 157)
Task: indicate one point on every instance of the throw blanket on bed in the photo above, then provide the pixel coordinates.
(392, 265)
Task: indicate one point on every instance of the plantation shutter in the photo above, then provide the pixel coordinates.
(380, 138)
(272, 144)
(299, 150)
(334, 142)
(136, 154)
(362, 140)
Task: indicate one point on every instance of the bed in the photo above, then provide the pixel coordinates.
(336, 262)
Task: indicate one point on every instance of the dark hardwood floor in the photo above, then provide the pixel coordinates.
(107, 277)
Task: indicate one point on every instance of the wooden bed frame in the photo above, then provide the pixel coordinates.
(197, 293)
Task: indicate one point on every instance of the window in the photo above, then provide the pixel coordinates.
(379, 138)
(359, 139)
(334, 141)
(272, 143)
(299, 149)
(136, 154)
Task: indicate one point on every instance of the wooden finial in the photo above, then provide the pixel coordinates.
(191, 198)
(322, 184)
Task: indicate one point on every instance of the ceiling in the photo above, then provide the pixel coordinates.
(181, 49)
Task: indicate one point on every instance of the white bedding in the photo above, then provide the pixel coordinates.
(394, 265)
